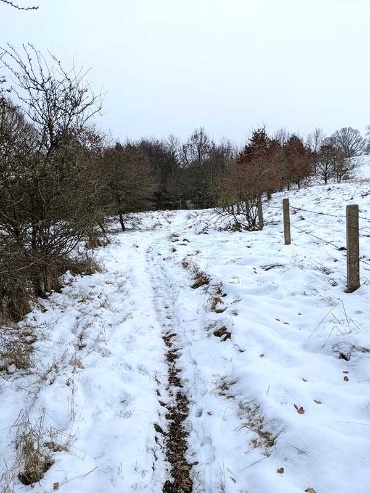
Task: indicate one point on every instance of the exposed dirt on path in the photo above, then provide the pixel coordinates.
(177, 407)
(176, 437)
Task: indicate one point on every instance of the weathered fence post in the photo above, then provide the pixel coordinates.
(286, 215)
(260, 212)
(353, 249)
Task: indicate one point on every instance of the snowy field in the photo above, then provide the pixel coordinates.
(274, 358)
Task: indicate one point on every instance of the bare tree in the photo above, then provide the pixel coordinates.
(55, 100)
(332, 162)
(128, 183)
(349, 141)
(164, 164)
(203, 163)
(367, 146)
(326, 161)
(197, 149)
(282, 135)
(315, 140)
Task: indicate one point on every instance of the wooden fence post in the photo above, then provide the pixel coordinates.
(286, 215)
(353, 248)
(260, 212)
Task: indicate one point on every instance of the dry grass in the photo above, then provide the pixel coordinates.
(7, 478)
(215, 301)
(222, 333)
(223, 387)
(215, 304)
(218, 329)
(96, 239)
(35, 446)
(252, 417)
(83, 265)
(34, 458)
(200, 277)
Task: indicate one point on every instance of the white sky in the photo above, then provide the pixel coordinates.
(169, 66)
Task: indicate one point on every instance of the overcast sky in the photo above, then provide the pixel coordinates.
(169, 66)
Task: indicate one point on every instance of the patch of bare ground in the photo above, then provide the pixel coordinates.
(177, 435)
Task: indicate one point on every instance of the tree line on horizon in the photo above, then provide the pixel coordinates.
(61, 178)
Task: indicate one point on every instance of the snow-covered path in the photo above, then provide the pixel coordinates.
(252, 348)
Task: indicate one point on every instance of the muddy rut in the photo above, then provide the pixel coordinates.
(177, 406)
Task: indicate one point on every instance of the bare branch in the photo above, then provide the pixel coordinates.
(18, 7)
(54, 99)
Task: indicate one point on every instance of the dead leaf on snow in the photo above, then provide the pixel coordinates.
(262, 355)
(310, 490)
(300, 410)
(281, 470)
(346, 379)
(55, 486)
(304, 379)
(317, 402)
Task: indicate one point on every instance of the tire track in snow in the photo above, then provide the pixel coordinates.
(177, 407)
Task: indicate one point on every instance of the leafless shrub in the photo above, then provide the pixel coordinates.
(49, 182)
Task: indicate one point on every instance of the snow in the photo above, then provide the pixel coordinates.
(289, 389)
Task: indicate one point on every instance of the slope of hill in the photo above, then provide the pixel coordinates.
(253, 349)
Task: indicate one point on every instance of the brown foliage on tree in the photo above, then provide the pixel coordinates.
(256, 171)
(297, 161)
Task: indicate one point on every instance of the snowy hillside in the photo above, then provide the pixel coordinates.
(252, 347)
